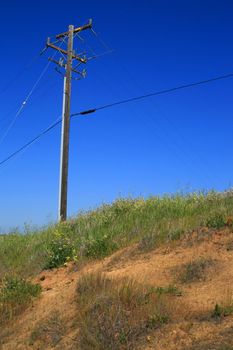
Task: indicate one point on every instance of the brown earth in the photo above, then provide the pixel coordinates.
(192, 327)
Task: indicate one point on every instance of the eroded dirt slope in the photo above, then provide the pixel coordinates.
(192, 327)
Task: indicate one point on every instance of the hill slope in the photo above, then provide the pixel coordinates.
(137, 274)
(50, 322)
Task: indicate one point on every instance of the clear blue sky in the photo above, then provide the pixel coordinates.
(176, 142)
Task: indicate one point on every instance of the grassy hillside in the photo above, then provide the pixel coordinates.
(144, 224)
(98, 233)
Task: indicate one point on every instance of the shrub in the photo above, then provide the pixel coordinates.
(148, 242)
(222, 311)
(113, 314)
(172, 290)
(217, 221)
(15, 296)
(61, 249)
(98, 247)
(195, 270)
(176, 234)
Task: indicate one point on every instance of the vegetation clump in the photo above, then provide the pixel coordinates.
(221, 311)
(48, 332)
(194, 271)
(113, 314)
(61, 250)
(172, 290)
(216, 220)
(15, 295)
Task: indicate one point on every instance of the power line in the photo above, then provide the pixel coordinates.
(161, 92)
(24, 103)
(45, 131)
(45, 89)
(172, 135)
(102, 42)
(89, 111)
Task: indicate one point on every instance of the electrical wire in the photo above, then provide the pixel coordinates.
(26, 145)
(22, 106)
(172, 135)
(185, 151)
(161, 92)
(103, 43)
(24, 103)
(46, 90)
(89, 111)
(94, 54)
(156, 93)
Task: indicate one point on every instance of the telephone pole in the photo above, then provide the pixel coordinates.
(66, 61)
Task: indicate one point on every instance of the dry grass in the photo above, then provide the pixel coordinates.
(115, 314)
(212, 346)
(225, 307)
(48, 332)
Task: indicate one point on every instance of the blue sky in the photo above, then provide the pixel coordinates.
(176, 142)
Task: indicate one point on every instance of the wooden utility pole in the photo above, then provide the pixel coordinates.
(65, 134)
(64, 157)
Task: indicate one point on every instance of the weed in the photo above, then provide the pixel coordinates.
(61, 250)
(15, 295)
(222, 311)
(195, 270)
(176, 234)
(113, 314)
(99, 247)
(48, 332)
(148, 242)
(172, 290)
(229, 246)
(157, 320)
(212, 346)
(216, 220)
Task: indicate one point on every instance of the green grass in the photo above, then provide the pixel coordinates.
(221, 311)
(172, 290)
(98, 233)
(15, 295)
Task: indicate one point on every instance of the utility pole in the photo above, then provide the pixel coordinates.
(65, 135)
(69, 55)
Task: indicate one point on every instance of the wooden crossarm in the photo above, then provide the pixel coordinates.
(76, 30)
(80, 59)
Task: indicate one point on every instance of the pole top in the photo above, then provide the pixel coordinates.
(76, 30)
